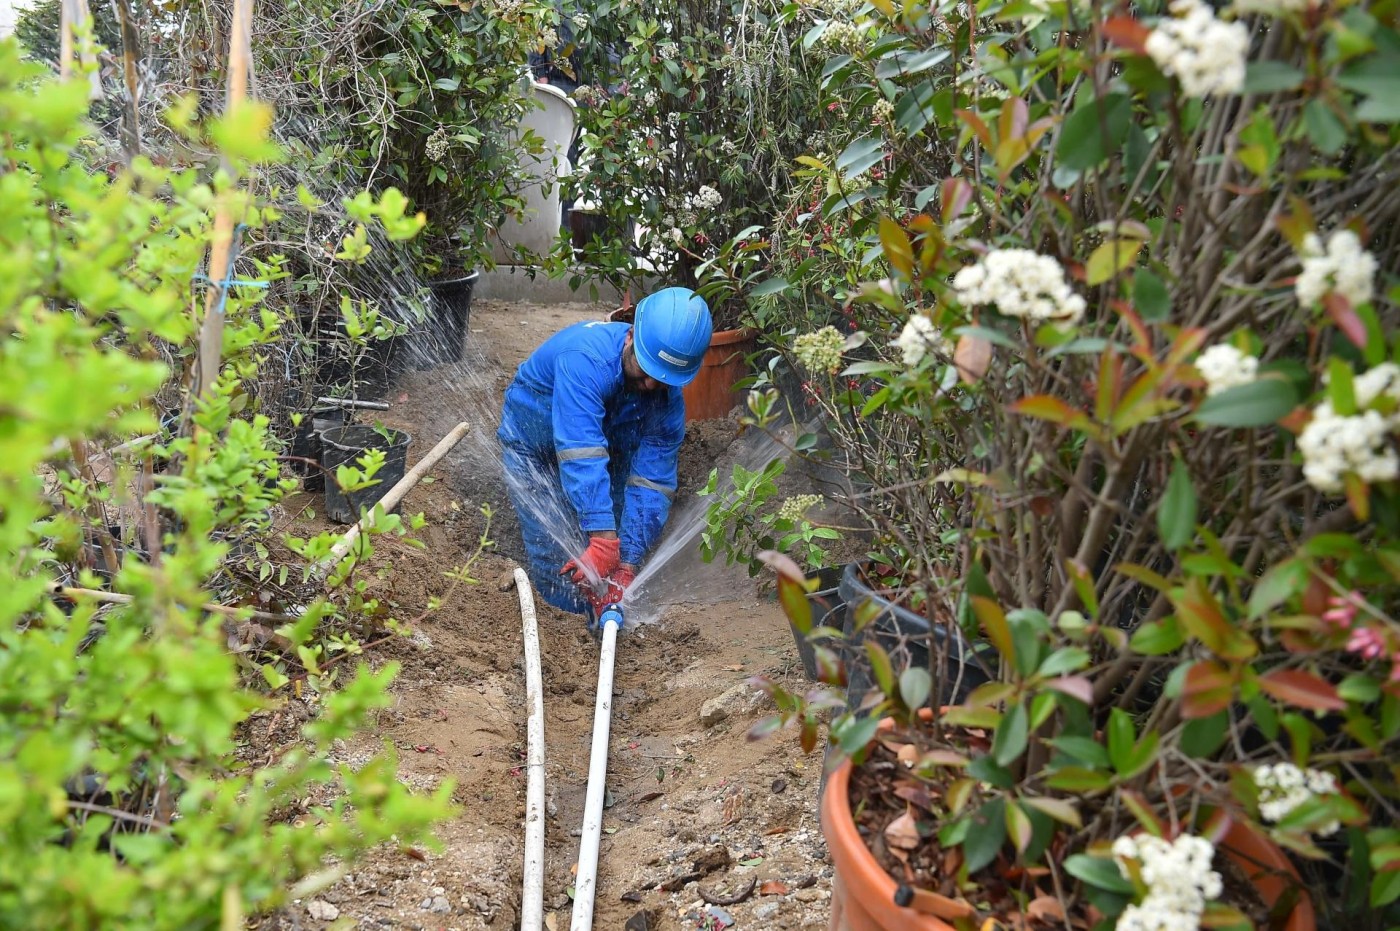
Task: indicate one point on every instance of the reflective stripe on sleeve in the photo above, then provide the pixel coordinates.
(638, 482)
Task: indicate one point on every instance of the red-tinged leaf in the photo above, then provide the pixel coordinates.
(972, 357)
(1046, 407)
(1018, 827)
(1302, 689)
(956, 195)
(1142, 811)
(995, 626)
(1061, 810)
(978, 127)
(1203, 618)
(942, 758)
(1344, 315)
(1074, 686)
(1297, 225)
(1126, 32)
(1014, 117)
(773, 887)
(1208, 689)
(898, 251)
(810, 734)
(1358, 496)
(1296, 421)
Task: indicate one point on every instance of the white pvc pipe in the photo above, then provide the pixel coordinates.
(532, 899)
(586, 882)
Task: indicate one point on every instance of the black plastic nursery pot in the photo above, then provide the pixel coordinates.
(306, 443)
(343, 446)
(905, 637)
(828, 610)
(439, 339)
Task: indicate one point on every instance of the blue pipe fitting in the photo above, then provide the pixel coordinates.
(611, 613)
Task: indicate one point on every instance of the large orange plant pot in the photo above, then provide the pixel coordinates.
(862, 893)
(711, 396)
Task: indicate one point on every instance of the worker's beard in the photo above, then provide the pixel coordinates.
(637, 380)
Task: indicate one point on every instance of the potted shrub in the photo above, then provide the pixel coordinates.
(1128, 407)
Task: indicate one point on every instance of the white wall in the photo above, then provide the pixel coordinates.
(9, 10)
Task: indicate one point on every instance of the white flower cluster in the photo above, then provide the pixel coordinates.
(1283, 787)
(586, 94)
(918, 337)
(650, 99)
(436, 145)
(796, 508)
(836, 7)
(882, 112)
(707, 198)
(1021, 283)
(1179, 881)
(581, 21)
(549, 39)
(820, 351)
(420, 18)
(1225, 367)
(841, 37)
(1271, 7)
(728, 147)
(1206, 55)
(668, 50)
(1342, 267)
(1334, 446)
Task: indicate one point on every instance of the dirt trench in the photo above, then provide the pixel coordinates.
(696, 809)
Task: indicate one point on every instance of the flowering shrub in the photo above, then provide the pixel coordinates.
(692, 113)
(1153, 470)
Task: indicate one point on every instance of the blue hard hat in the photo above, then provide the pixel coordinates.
(670, 334)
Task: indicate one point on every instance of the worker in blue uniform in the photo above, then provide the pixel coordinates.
(590, 435)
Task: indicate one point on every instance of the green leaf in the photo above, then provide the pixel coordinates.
(881, 668)
(861, 155)
(1150, 296)
(1078, 779)
(1095, 130)
(915, 686)
(1280, 583)
(903, 63)
(1267, 77)
(987, 834)
(1256, 404)
(1327, 133)
(1379, 109)
(1157, 638)
(1110, 258)
(1203, 736)
(985, 769)
(1063, 660)
(775, 285)
(1013, 735)
(1176, 514)
(1085, 749)
(1121, 738)
(447, 84)
(1385, 888)
(1099, 872)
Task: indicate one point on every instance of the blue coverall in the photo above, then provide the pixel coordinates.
(583, 453)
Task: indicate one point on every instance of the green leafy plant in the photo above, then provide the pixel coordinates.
(123, 803)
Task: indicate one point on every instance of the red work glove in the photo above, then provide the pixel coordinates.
(602, 557)
(623, 576)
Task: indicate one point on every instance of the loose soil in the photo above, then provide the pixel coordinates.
(696, 809)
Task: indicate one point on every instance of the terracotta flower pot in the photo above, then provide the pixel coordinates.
(862, 893)
(711, 396)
